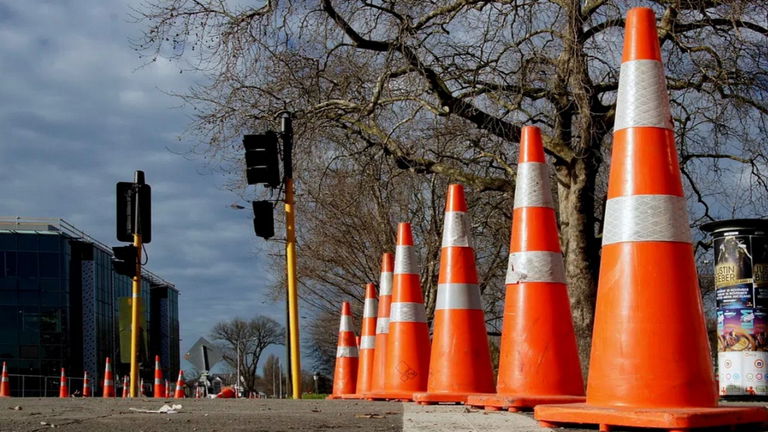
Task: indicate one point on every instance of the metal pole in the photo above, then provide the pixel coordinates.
(135, 299)
(237, 387)
(136, 290)
(290, 255)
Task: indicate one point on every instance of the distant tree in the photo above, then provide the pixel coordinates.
(274, 376)
(249, 339)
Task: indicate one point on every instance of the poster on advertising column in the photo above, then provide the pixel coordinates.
(733, 272)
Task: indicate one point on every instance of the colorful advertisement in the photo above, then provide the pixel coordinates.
(741, 283)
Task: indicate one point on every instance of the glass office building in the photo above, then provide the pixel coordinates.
(60, 305)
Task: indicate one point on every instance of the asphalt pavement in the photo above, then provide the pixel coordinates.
(124, 415)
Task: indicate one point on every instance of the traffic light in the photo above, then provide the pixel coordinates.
(263, 219)
(127, 196)
(124, 261)
(261, 162)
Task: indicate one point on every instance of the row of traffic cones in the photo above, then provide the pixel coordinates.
(161, 388)
(650, 364)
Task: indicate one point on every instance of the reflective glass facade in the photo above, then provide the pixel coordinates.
(60, 305)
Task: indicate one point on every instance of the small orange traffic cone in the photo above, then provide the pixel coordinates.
(650, 364)
(544, 368)
(126, 387)
(179, 393)
(109, 381)
(63, 386)
(460, 363)
(345, 372)
(408, 338)
(159, 389)
(378, 373)
(5, 385)
(366, 344)
(86, 385)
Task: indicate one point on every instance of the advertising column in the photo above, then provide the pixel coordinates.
(741, 284)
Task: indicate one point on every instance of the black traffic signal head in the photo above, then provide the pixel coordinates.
(263, 219)
(134, 211)
(261, 161)
(124, 261)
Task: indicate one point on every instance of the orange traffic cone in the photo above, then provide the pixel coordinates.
(345, 373)
(126, 387)
(179, 393)
(366, 344)
(460, 363)
(408, 338)
(109, 381)
(5, 385)
(650, 364)
(158, 392)
(63, 386)
(86, 385)
(378, 374)
(544, 368)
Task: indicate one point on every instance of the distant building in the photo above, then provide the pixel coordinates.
(60, 306)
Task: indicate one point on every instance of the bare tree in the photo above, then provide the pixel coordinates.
(442, 89)
(249, 339)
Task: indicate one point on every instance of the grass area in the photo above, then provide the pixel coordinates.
(314, 396)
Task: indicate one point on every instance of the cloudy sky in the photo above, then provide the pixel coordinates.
(78, 114)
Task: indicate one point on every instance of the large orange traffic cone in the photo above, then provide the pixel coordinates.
(460, 363)
(345, 372)
(5, 385)
(538, 359)
(378, 375)
(126, 387)
(158, 392)
(650, 364)
(179, 393)
(63, 386)
(408, 338)
(109, 381)
(86, 385)
(366, 344)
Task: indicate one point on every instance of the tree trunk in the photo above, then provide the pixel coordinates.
(581, 248)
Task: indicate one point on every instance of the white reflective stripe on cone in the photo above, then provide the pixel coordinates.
(458, 296)
(535, 266)
(636, 218)
(345, 324)
(367, 342)
(370, 307)
(407, 312)
(385, 284)
(405, 260)
(382, 325)
(158, 381)
(457, 230)
(532, 188)
(109, 383)
(642, 100)
(346, 351)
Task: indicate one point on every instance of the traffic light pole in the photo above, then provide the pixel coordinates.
(135, 298)
(290, 255)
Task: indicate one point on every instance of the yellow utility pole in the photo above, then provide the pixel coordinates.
(135, 300)
(293, 307)
(290, 255)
